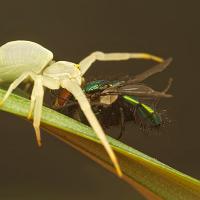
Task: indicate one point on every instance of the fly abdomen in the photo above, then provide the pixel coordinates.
(151, 118)
(147, 116)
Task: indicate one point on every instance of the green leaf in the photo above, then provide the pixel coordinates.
(153, 179)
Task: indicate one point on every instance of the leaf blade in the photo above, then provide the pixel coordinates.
(155, 179)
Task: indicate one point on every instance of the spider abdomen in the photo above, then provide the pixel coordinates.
(21, 56)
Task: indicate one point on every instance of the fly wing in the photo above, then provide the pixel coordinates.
(139, 90)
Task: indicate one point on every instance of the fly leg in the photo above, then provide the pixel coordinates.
(163, 92)
(122, 122)
(155, 69)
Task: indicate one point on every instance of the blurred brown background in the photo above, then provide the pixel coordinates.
(73, 29)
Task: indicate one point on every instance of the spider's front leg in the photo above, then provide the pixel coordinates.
(77, 92)
(87, 62)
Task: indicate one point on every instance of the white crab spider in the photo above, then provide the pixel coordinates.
(22, 59)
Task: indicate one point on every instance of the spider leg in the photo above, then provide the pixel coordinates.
(37, 100)
(87, 62)
(14, 84)
(33, 98)
(36, 104)
(36, 96)
(77, 92)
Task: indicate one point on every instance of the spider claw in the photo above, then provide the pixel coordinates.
(39, 143)
(38, 136)
(2, 102)
(29, 115)
(152, 57)
(117, 167)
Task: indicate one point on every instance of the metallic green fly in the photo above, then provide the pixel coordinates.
(116, 102)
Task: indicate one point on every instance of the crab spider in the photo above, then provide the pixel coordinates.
(20, 60)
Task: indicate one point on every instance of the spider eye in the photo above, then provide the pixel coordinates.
(77, 66)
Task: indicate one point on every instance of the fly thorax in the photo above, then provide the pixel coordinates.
(108, 99)
(62, 70)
